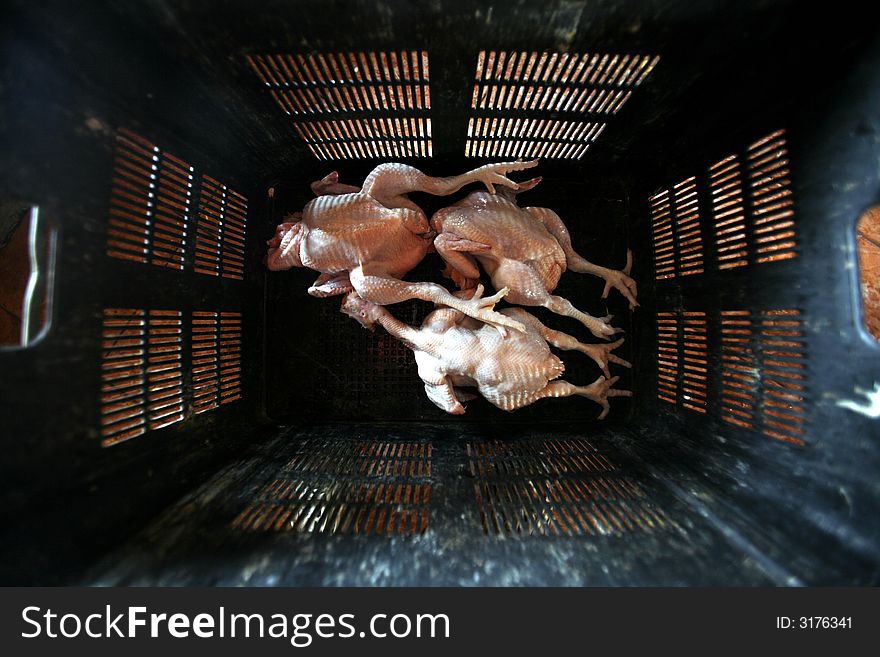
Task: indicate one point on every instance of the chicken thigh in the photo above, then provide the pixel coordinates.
(367, 239)
(454, 351)
(524, 249)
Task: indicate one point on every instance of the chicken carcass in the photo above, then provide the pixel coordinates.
(454, 351)
(524, 249)
(367, 239)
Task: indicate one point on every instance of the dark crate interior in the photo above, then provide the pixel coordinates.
(184, 416)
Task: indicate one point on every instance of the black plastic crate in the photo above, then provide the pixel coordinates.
(154, 427)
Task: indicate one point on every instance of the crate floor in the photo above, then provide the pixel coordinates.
(365, 505)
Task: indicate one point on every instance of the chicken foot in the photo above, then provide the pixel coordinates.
(599, 391)
(619, 280)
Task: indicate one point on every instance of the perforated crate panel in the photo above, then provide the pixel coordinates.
(359, 487)
(556, 488)
(393, 505)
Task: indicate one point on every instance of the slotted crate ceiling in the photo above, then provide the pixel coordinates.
(361, 105)
(519, 97)
(354, 105)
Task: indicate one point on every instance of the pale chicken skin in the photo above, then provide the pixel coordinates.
(367, 239)
(454, 352)
(524, 249)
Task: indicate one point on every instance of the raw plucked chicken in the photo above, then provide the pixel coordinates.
(367, 239)
(524, 249)
(454, 352)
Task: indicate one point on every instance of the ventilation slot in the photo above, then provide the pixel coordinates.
(230, 357)
(555, 487)
(728, 213)
(771, 199)
(367, 138)
(687, 228)
(122, 378)
(675, 222)
(347, 487)
(325, 83)
(205, 375)
(142, 385)
(164, 373)
(682, 359)
(783, 375)
(525, 85)
(221, 231)
(558, 82)
(739, 369)
(332, 84)
(531, 138)
(695, 362)
(763, 370)
(216, 359)
(149, 203)
(751, 225)
(868, 246)
(667, 357)
(664, 244)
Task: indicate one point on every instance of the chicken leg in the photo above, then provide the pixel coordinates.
(619, 280)
(600, 353)
(384, 290)
(389, 183)
(599, 391)
(527, 289)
